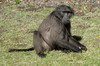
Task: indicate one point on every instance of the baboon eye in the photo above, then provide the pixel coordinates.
(64, 11)
(67, 12)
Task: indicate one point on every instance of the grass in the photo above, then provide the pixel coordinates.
(15, 32)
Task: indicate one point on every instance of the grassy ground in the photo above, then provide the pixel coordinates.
(15, 32)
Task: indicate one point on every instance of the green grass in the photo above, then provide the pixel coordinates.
(15, 32)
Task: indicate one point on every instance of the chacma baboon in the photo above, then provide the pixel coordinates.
(54, 33)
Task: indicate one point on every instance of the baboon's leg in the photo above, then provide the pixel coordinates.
(38, 46)
(65, 44)
(75, 42)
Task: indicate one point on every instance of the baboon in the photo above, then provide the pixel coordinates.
(55, 33)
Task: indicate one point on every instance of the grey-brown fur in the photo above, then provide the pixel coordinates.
(55, 32)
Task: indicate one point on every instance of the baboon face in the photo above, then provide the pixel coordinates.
(64, 13)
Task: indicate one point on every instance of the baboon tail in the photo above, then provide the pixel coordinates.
(16, 50)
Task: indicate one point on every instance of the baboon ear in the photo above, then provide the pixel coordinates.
(57, 14)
